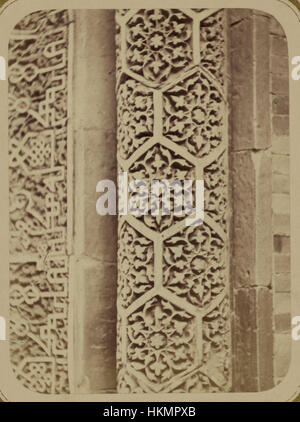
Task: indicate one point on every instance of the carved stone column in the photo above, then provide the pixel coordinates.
(173, 301)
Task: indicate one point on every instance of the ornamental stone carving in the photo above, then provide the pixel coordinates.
(173, 307)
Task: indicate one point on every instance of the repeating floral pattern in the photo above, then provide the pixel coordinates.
(160, 163)
(159, 43)
(38, 116)
(174, 327)
(193, 114)
(135, 277)
(161, 340)
(135, 114)
(194, 265)
(212, 45)
(215, 192)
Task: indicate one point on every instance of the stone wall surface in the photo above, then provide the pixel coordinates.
(260, 200)
(279, 91)
(250, 167)
(200, 308)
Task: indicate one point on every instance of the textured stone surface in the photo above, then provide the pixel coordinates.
(280, 125)
(282, 263)
(173, 307)
(281, 64)
(280, 84)
(96, 326)
(260, 194)
(281, 203)
(260, 226)
(251, 190)
(281, 164)
(243, 222)
(282, 303)
(265, 337)
(280, 145)
(245, 363)
(282, 244)
(261, 79)
(280, 104)
(250, 122)
(40, 206)
(282, 282)
(95, 236)
(242, 95)
(280, 199)
(281, 183)
(282, 351)
(283, 322)
(281, 224)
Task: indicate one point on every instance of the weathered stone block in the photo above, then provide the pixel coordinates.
(282, 282)
(279, 64)
(104, 244)
(282, 303)
(261, 80)
(253, 339)
(281, 224)
(282, 354)
(276, 28)
(282, 244)
(250, 100)
(279, 85)
(283, 322)
(264, 309)
(282, 263)
(238, 15)
(263, 220)
(281, 183)
(280, 164)
(95, 125)
(242, 95)
(244, 200)
(252, 190)
(280, 104)
(96, 324)
(245, 341)
(280, 125)
(280, 145)
(279, 46)
(281, 203)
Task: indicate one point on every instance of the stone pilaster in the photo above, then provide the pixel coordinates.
(173, 301)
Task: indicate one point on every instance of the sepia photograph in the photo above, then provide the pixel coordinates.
(149, 201)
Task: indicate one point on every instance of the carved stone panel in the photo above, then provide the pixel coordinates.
(174, 329)
(40, 193)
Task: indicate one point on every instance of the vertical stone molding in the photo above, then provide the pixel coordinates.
(279, 92)
(251, 186)
(40, 194)
(94, 264)
(173, 303)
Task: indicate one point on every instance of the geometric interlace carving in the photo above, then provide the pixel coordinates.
(173, 299)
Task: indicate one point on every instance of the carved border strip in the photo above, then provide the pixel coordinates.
(41, 191)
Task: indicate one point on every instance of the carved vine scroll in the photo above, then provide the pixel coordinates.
(173, 301)
(40, 191)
